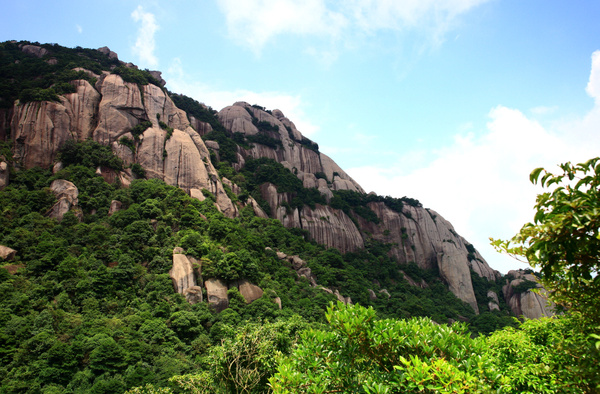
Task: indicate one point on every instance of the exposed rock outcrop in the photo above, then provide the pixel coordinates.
(7, 253)
(105, 50)
(529, 304)
(115, 206)
(108, 112)
(249, 291)
(419, 235)
(39, 128)
(4, 174)
(193, 294)
(296, 152)
(66, 194)
(424, 237)
(216, 292)
(326, 225)
(493, 303)
(182, 272)
(34, 50)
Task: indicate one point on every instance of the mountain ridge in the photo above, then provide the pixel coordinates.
(130, 111)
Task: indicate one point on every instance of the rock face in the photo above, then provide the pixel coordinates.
(526, 303)
(424, 237)
(66, 193)
(296, 152)
(326, 225)
(419, 235)
(34, 50)
(108, 112)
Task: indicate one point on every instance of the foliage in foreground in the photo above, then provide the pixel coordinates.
(564, 237)
(360, 354)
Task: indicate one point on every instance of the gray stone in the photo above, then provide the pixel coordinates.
(193, 294)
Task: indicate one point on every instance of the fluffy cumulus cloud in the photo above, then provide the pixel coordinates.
(292, 106)
(145, 44)
(480, 183)
(254, 22)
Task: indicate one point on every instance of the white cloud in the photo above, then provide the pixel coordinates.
(255, 22)
(593, 86)
(480, 183)
(79, 29)
(145, 44)
(292, 106)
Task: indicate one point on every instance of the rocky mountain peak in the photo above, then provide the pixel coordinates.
(143, 125)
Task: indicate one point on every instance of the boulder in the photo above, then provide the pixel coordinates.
(249, 291)
(258, 211)
(297, 262)
(182, 273)
(193, 294)
(66, 194)
(216, 292)
(7, 253)
(57, 167)
(105, 50)
(115, 206)
(307, 273)
(34, 50)
(197, 194)
(4, 174)
(277, 300)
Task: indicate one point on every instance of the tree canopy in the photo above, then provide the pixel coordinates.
(563, 240)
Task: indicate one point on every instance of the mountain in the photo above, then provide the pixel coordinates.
(56, 95)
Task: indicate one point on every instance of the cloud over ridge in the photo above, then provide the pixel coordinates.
(145, 44)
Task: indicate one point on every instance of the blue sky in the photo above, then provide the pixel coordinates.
(450, 102)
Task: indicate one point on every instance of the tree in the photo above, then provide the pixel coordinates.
(359, 353)
(564, 239)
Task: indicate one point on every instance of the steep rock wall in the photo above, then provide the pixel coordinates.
(38, 130)
(326, 225)
(293, 152)
(108, 112)
(424, 237)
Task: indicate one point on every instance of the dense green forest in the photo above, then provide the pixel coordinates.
(87, 304)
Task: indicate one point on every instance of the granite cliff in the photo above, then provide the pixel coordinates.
(143, 125)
